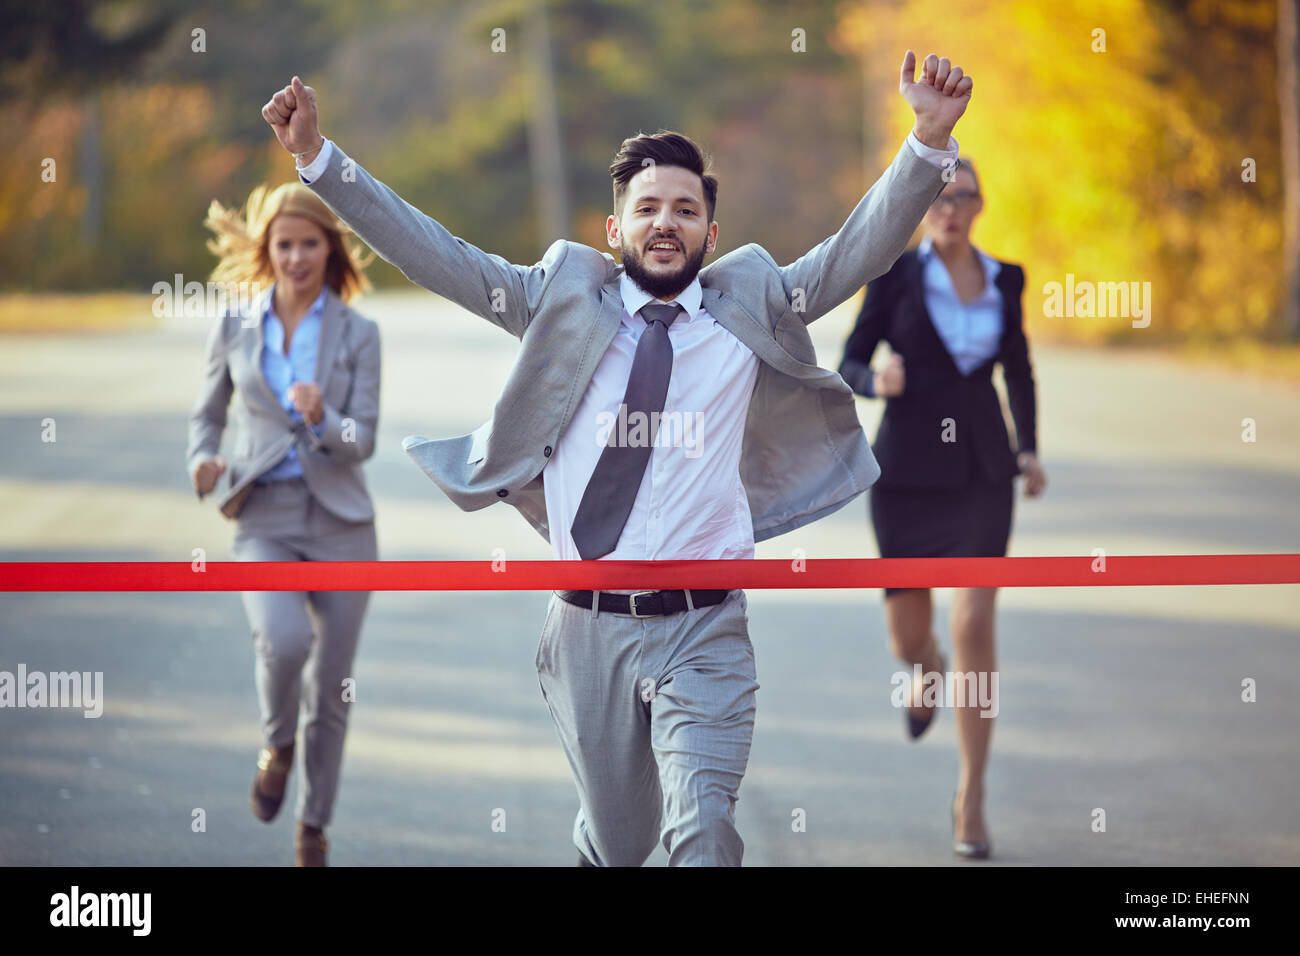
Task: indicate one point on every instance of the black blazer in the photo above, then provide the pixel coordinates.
(909, 445)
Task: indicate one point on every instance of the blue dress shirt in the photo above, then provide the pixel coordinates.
(971, 331)
(281, 371)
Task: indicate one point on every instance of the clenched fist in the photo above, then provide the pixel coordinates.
(307, 401)
(890, 380)
(292, 114)
(206, 475)
(1035, 477)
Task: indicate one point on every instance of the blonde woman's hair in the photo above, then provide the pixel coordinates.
(243, 238)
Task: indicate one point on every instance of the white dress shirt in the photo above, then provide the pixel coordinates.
(971, 331)
(691, 504)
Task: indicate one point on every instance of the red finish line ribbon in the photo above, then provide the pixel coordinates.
(1054, 572)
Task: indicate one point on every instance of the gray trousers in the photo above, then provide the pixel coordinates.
(656, 716)
(304, 641)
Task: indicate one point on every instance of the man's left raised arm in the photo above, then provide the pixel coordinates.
(877, 231)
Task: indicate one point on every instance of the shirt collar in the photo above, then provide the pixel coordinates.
(634, 298)
(991, 266)
(316, 309)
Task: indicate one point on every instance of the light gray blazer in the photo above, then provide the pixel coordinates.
(804, 453)
(347, 374)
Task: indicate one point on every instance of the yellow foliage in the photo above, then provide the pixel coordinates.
(1108, 165)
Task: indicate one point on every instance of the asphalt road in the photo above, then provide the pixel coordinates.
(1125, 699)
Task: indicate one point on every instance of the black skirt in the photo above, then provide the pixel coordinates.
(970, 522)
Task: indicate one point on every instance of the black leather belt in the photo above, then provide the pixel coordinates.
(644, 603)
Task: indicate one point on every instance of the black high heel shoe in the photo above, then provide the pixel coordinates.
(914, 725)
(964, 848)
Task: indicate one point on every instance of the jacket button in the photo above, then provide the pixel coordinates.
(502, 493)
(547, 451)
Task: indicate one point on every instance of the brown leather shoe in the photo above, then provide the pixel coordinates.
(271, 781)
(309, 846)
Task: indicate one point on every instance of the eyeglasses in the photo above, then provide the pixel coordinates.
(958, 199)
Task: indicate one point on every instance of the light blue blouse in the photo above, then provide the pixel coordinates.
(971, 331)
(282, 371)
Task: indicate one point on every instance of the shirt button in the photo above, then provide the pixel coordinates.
(502, 493)
(547, 451)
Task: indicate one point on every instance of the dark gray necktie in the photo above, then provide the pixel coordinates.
(612, 489)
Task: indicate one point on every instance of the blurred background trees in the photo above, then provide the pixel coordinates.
(1119, 155)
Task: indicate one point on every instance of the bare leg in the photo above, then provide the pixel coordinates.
(911, 636)
(972, 634)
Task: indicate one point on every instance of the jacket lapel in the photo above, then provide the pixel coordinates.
(1009, 303)
(602, 333)
(733, 317)
(327, 343)
(256, 342)
(917, 285)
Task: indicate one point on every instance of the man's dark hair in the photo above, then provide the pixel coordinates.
(665, 148)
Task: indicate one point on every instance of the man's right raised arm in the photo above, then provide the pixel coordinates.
(485, 284)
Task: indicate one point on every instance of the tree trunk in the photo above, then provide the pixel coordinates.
(544, 150)
(90, 162)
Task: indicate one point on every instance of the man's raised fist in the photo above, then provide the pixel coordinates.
(292, 114)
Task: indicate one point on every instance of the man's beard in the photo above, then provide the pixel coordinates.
(661, 285)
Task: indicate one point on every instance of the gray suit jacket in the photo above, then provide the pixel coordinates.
(804, 453)
(347, 374)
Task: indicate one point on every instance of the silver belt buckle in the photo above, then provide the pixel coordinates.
(632, 602)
